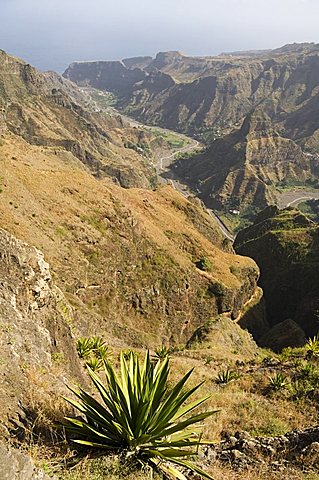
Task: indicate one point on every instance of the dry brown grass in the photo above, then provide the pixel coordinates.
(44, 407)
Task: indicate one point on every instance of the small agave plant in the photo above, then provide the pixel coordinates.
(278, 381)
(312, 347)
(226, 376)
(139, 415)
(162, 352)
(84, 347)
(94, 363)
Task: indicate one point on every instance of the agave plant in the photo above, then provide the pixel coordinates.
(97, 343)
(312, 346)
(103, 352)
(94, 363)
(162, 352)
(140, 415)
(127, 354)
(226, 376)
(278, 381)
(84, 347)
(307, 371)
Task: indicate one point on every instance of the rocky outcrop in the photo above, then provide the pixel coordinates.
(34, 329)
(223, 334)
(15, 465)
(285, 334)
(299, 447)
(284, 243)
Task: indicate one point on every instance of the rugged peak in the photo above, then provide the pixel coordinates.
(170, 54)
(137, 62)
(258, 124)
(163, 59)
(295, 48)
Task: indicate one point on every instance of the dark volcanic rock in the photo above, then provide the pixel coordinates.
(284, 334)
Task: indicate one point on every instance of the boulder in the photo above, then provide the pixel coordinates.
(285, 334)
(15, 465)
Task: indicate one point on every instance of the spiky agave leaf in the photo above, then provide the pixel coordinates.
(138, 413)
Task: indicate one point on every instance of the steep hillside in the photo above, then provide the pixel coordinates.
(41, 109)
(144, 266)
(244, 167)
(284, 243)
(126, 256)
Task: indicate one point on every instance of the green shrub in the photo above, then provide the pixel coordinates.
(209, 359)
(139, 416)
(234, 270)
(204, 264)
(301, 389)
(217, 289)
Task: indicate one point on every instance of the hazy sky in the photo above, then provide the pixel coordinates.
(52, 33)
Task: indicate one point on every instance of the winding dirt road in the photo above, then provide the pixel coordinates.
(188, 148)
(294, 197)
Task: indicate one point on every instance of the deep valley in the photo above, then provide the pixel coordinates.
(151, 205)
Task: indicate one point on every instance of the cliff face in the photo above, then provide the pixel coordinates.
(34, 332)
(111, 76)
(284, 243)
